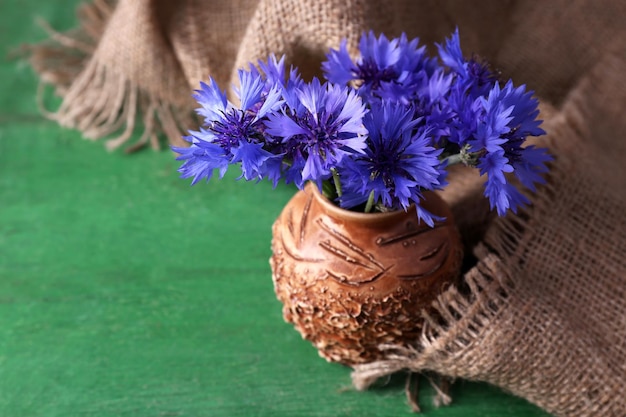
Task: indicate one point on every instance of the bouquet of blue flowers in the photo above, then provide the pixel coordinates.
(382, 129)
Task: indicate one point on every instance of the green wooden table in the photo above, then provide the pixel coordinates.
(126, 292)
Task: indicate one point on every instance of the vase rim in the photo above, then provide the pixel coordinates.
(355, 215)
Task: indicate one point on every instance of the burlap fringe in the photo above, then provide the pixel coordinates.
(96, 100)
(100, 103)
(59, 59)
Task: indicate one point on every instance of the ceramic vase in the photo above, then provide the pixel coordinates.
(351, 282)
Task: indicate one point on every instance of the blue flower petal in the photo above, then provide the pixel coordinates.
(213, 101)
(251, 87)
(283, 126)
(253, 159)
(201, 160)
(338, 67)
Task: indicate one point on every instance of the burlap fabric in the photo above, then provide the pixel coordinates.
(543, 312)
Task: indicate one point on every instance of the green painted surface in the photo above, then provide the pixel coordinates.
(125, 292)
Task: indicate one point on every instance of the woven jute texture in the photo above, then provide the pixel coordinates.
(542, 314)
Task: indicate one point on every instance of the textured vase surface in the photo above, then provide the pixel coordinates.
(350, 281)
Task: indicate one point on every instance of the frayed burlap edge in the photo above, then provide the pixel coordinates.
(96, 99)
(100, 103)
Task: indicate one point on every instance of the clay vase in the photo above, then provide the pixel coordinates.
(351, 281)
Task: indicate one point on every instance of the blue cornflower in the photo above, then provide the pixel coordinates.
(397, 165)
(232, 134)
(431, 104)
(463, 114)
(277, 75)
(474, 76)
(506, 118)
(202, 158)
(451, 54)
(385, 126)
(390, 69)
(274, 70)
(318, 130)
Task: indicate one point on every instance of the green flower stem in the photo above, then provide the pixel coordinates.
(328, 190)
(465, 157)
(453, 159)
(370, 202)
(336, 181)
